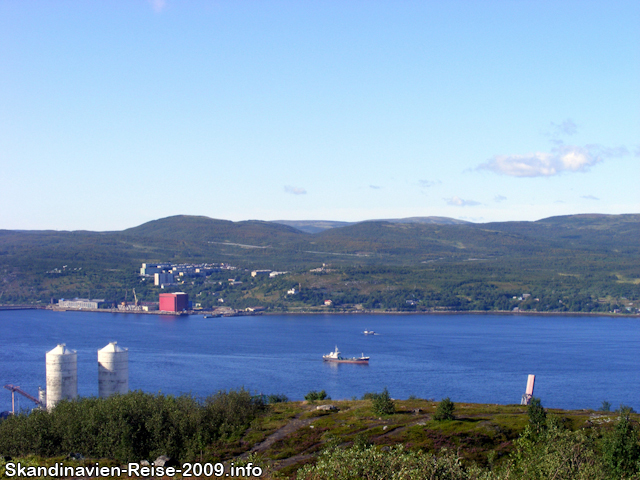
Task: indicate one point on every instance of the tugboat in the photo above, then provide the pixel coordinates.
(336, 358)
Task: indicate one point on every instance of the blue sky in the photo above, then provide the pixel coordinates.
(114, 113)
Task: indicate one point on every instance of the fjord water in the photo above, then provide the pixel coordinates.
(578, 361)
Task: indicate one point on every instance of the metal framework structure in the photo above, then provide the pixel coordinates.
(14, 389)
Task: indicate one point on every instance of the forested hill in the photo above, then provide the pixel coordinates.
(404, 241)
(595, 256)
(199, 229)
(315, 226)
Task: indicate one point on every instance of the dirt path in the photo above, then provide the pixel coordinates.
(294, 424)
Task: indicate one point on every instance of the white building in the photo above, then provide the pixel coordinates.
(275, 274)
(79, 303)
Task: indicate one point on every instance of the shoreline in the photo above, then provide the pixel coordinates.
(241, 313)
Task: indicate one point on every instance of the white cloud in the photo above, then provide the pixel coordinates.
(499, 198)
(564, 158)
(459, 202)
(295, 190)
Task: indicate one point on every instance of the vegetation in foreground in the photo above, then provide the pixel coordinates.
(357, 439)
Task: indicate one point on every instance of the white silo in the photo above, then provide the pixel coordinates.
(113, 370)
(62, 375)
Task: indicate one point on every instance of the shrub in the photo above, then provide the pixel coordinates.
(537, 415)
(312, 396)
(280, 398)
(553, 452)
(625, 409)
(394, 464)
(382, 403)
(131, 427)
(445, 409)
(605, 407)
(620, 448)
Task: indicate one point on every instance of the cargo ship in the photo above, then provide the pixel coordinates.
(336, 358)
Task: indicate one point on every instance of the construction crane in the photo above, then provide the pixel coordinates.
(15, 389)
(135, 297)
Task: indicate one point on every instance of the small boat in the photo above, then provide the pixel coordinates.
(369, 332)
(336, 358)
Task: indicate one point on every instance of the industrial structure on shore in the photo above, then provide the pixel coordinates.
(174, 302)
(113, 370)
(62, 376)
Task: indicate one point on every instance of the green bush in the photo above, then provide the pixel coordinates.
(605, 407)
(445, 409)
(620, 448)
(131, 427)
(312, 396)
(553, 452)
(625, 409)
(279, 398)
(382, 403)
(396, 463)
(369, 396)
(537, 415)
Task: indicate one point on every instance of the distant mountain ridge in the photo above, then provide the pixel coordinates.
(396, 241)
(399, 241)
(440, 262)
(315, 226)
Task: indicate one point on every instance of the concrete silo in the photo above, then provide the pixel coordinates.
(113, 370)
(62, 375)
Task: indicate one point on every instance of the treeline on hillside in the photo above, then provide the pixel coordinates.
(132, 427)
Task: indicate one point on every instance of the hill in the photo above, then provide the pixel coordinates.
(571, 263)
(315, 226)
(203, 229)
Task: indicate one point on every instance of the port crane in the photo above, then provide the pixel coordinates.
(15, 389)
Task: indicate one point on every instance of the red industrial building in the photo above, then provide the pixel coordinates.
(174, 302)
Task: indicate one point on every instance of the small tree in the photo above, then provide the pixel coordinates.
(605, 407)
(445, 410)
(537, 415)
(312, 396)
(382, 403)
(620, 448)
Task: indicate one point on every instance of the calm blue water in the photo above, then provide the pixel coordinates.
(578, 361)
